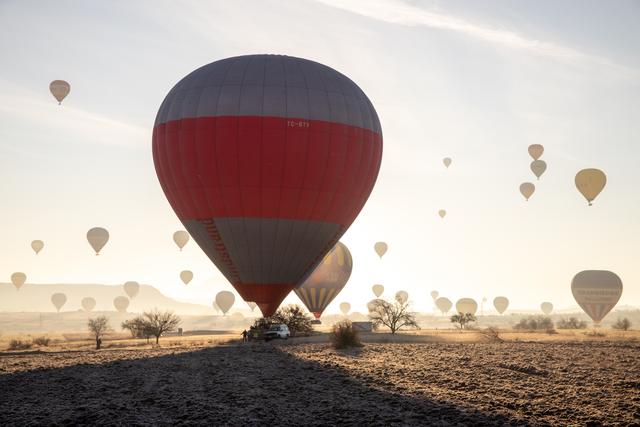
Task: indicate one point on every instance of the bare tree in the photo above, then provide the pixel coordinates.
(394, 316)
(463, 319)
(157, 322)
(622, 324)
(138, 327)
(98, 328)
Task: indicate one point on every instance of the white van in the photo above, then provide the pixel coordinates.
(277, 331)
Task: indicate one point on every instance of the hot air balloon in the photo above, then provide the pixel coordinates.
(18, 279)
(225, 300)
(442, 213)
(186, 276)
(266, 160)
(97, 237)
(546, 307)
(535, 151)
(372, 304)
(538, 167)
(466, 305)
(345, 307)
(434, 295)
(88, 304)
(327, 280)
(59, 89)
(121, 304)
(527, 189)
(443, 304)
(131, 289)
(501, 304)
(402, 297)
(590, 183)
(447, 162)
(380, 248)
(252, 305)
(597, 292)
(377, 290)
(58, 300)
(181, 238)
(37, 246)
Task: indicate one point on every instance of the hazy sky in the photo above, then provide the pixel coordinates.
(477, 81)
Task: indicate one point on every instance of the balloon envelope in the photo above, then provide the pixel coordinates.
(88, 304)
(535, 151)
(442, 213)
(58, 300)
(327, 280)
(446, 161)
(345, 307)
(444, 304)
(18, 279)
(252, 305)
(37, 246)
(97, 237)
(181, 238)
(546, 307)
(266, 160)
(225, 300)
(186, 276)
(121, 304)
(380, 248)
(597, 292)
(377, 290)
(59, 89)
(131, 289)
(501, 304)
(590, 182)
(434, 295)
(527, 189)
(538, 167)
(466, 305)
(402, 297)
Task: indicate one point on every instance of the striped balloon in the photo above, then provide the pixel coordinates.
(597, 292)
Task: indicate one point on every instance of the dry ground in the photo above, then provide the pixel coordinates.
(420, 379)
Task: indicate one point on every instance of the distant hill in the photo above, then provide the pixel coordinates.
(37, 298)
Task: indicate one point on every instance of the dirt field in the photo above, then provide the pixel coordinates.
(419, 380)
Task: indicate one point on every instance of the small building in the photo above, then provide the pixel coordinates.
(362, 326)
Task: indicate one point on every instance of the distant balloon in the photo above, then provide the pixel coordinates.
(327, 280)
(131, 289)
(590, 183)
(59, 89)
(37, 246)
(377, 290)
(434, 295)
(446, 161)
(58, 300)
(538, 167)
(88, 304)
(252, 305)
(444, 304)
(527, 189)
(442, 213)
(345, 307)
(186, 276)
(372, 304)
(380, 248)
(546, 307)
(18, 279)
(402, 297)
(121, 304)
(97, 237)
(536, 151)
(225, 300)
(466, 305)
(501, 304)
(597, 292)
(181, 238)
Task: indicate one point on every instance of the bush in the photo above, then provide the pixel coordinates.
(534, 323)
(42, 341)
(20, 345)
(294, 316)
(572, 323)
(464, 320)
(344, 335)
(622, 324)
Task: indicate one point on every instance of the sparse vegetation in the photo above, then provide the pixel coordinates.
(17, 344)
(463, 320)
(535, 323)
(295, 317)
(492, 334)
(394, 316)
(158, 322)
(622, 324)
(138, 327)
(344, 335)
(42, 341)
(571, 323)
(98, 328)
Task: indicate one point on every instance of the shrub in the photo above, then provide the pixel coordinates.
(464, 320)
(572, 323)
(344, 335)
(622, 324)
(294, 316)
(16, 344)
(534, 323)
(42, 341)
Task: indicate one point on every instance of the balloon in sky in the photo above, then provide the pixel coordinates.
(446, 161)
(380, 248)
(59, 89)
(252, 305)
(377, 290)
(58, 300)
(327, 280)
(444, 304)
(546, 307)
(186, 276)
(121, 304)
(266, 160)
(501, 304)
(442, 213)
(181, 238)
(18, 279)
(538, 167)
(590, 183)
(97, 237)
(37, 246)
(88, 304)
(131, 289)
(402, 297)
(535, 151)
(527, 189)
(597, 292)
(345, 307)
(225, 300)
(466, 305)
(434, 295)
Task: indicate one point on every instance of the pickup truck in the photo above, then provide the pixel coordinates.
(277, 331)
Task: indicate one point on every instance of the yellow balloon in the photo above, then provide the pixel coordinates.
(186, 276)
(434, 295)
(466, 305)
(446, 161)
(590, 183)
(527, 189)
(380, 248)
(181, 238)
(546, 307)
(402, 297)
(444, 304)
(377, 290)
(18, 279)
(37, 246)
(225, 300)
(501, 304)
(442, 213)
(345, 307)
